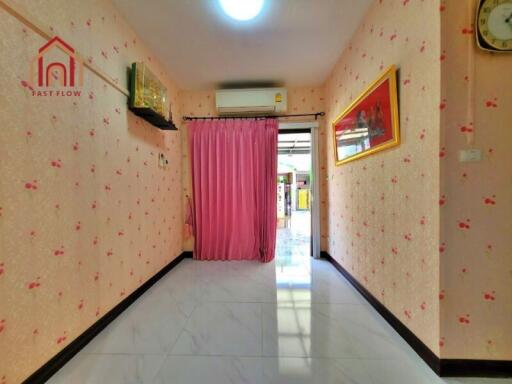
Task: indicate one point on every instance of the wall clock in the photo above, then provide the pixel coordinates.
(494, 25)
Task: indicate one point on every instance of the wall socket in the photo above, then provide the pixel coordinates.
(470, 155)
(162, 161)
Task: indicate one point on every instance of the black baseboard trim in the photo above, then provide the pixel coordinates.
(421, 349)
(188, 255)
(442, 367)
(60, 359)
(476, 368)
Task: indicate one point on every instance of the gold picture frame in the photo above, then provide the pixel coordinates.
(370, 123)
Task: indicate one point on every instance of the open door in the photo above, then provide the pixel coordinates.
(298, 205)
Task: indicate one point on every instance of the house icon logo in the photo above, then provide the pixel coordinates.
(56, 66)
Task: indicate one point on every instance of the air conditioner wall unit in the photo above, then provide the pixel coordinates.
(254, 101)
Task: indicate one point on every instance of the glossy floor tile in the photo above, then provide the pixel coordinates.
(292, 321)
(226, 329)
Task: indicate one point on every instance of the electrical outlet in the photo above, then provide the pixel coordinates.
(162, 161)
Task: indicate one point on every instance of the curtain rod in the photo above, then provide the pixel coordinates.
(187, 118)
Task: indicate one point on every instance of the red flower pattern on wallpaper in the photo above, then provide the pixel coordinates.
(400, 202)
(125, 163)
(79, 162)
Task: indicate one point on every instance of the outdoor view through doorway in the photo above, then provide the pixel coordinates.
(294, 197)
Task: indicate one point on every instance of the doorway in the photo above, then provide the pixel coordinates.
(296, 213)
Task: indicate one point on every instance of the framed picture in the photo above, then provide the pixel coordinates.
(370, 124)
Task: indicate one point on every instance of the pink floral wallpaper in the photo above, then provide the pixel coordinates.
(383, 212)
(426, 234)
(476, 198)
(86, 214)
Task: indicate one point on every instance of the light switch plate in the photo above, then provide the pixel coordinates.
(470, 155)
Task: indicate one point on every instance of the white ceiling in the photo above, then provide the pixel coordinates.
(293, 42)
(294, 143)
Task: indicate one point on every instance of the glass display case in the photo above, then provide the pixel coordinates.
(148, 97)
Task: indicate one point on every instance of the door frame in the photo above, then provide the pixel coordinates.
(312, 127)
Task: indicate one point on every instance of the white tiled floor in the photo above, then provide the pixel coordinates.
(295, 320)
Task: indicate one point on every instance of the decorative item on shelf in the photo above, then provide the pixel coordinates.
(148, 98)
(370, 123)
(494, 25)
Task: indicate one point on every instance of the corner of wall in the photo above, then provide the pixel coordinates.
(476, 299)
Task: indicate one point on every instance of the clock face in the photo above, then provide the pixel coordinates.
(495, 24)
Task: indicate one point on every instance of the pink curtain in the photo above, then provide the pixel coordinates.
(234, 182)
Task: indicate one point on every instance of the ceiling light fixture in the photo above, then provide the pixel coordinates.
(242, 10)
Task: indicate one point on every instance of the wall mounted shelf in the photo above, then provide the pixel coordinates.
(154, 118)
(148, 97)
